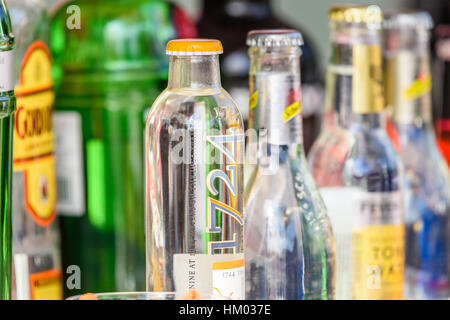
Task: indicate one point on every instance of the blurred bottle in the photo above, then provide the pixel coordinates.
(230, 21)
(442, 124)
(357, 168)
(289, 243)
(8, 105)
(36, 238)
(194, 178)
(427, 181)
(109, 65)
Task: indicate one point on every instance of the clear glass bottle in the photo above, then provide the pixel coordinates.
(289, 243)
(8, 106)
(426, 180)
(361, 191)
(194, 178)
(107, 73)
(36, 238)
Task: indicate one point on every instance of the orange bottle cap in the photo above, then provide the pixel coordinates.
(194, 47)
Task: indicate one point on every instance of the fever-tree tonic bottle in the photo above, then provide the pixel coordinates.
(36, 245)
(289, 244)
(8, 105)
(194, 178)
(426, 180)
(362, 190)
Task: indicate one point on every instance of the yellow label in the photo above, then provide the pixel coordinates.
(367, 84)
(418, 88)
(291, 111)
(253, 100)
(46, 285)
(378, 262)
(33, 136)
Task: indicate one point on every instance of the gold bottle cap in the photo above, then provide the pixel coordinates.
(370, 15)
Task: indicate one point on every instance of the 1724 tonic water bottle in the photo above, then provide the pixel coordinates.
(194, 178)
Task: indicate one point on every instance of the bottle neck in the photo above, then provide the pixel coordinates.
(6, 36)
(408, 77)
(275, 91)
(237, 8)
(194, 72)
(354, 76)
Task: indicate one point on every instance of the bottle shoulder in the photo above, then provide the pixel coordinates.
(291, 176)
(209, 103)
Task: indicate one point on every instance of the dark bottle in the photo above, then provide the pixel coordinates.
(442, 124)
(230, 21)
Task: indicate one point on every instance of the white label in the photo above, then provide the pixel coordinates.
(340, 207)
(378, 208)
(349, 208)
(69, 163)
(6, 71)
(220, 275)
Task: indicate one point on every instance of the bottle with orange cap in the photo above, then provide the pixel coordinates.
(194, 178)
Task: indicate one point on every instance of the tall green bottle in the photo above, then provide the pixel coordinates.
(36, 247)
(109, 60)
(8, 105)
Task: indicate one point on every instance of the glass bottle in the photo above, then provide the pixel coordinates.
(426, 181)
(289, 243)
(36, 238)
(230, 21)
(442, 124)
(8, 106)
(194, 178)
(109, 64)
(358, 172)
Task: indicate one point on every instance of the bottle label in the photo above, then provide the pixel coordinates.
(291, 111)
(46, 285)
(369, 239)
(224, 273)
(6, 70)
(418, 88)
(69, 167)
(378, 246)
(278, 110)
(367, 91)
(37, 277)
(408, 86)
(253, 100)
(33, 135)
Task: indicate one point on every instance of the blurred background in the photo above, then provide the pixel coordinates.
(311, 16)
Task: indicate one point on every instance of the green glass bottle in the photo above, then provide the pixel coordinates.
(36, 247)
(8, 105)
(109, 62)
